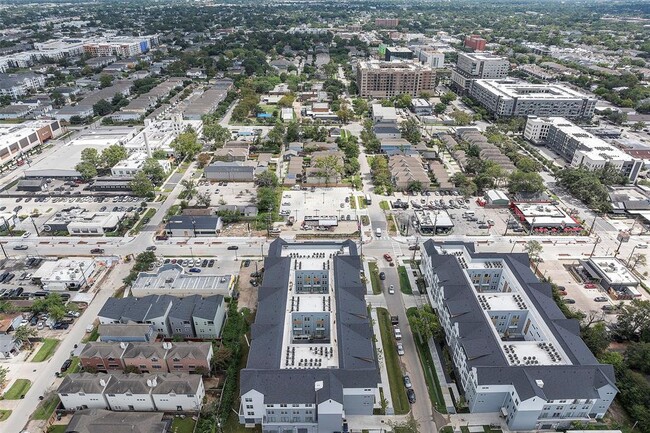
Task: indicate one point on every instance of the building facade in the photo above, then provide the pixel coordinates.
(475, 66)
(511, 98)
(380, 79)
(475, 42)
(311, 361)
(513, 350)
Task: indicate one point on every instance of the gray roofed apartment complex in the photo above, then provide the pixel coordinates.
(504, 329)
(350, 375)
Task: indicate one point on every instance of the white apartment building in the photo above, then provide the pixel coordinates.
(514, 351)
(17, 85)
(125, 46)
(130, 166)
(429, 56)
(579, 147)
(508, 98)
(474, 66)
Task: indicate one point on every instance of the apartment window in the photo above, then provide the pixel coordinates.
(249, 406)
(250, 413)
(250, 400)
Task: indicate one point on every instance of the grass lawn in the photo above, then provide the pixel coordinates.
(395, 377)
(58, 428)
(4, 414)
(384, 205)
(183, 425)
(433, 385)
(374, 278)
(404, 283)
(353, 202)
(20, 387)
(46, 350)
(93, 336)
(447, 429)
(148, 215)
(45, 408)
(362, 202)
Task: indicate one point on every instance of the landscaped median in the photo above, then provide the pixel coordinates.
(404, 283)
(4, 414)
(47, 350)
(374, 278)
(18, 389)
(430, 376)
(395, 377)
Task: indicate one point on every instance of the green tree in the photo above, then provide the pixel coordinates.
(634, 321)
(534, 249)
(154, 171)
(105, 80)
(344, 113)
(266, 199)
(521, 181)
(217, 134)
(204, 199)
(414, 186)
(527, 165)
(189, 188)
(91, 156)
(439, 108)
(638, 126)
(360, 106)
(23, 334)
(403, 101)
(186, 145)
(328, 167)
(267, 179)
(411, 131)
(638, 259)
(448, 97)
(425, 322)
(461, 118)
(203, 159)
(141, 185)
(293, 132)
(102, 108)
(114, 154)
(596, 338)
(3, 374)
(86, 170)
(637, 356)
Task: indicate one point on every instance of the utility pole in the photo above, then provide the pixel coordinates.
(34, 224)
(596, 242)
(415, 248)
(591, 229)
(2, 245)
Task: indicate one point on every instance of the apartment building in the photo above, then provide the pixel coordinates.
(206, 314)
(428, 56)
(166, 392)
(147, 357)
(514, 351)
(406, 170)
(579, 147)
(474, 66)
(20, 84)
(386, 22)
(380, 79)
(475, 42)
(121, 46)
(311, 361)
(508, 98)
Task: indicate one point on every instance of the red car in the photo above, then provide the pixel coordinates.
(388, 257)
(590, 286)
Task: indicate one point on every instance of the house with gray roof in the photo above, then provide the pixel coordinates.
(163, 312)
(311, 346)
(514, 351)
(165, 392)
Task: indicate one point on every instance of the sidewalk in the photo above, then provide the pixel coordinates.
(382, 364)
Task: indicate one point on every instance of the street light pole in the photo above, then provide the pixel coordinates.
(2, 245)
(631, 254)
(34, 224)
(596, 242)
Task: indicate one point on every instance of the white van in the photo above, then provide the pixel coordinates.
(378, 232)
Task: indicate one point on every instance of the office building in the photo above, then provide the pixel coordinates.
(579, 147)
(381, 79)
(394, 53)
(71, 273)
(514, 352)
(475, 66)
(475, 42)
(508, 98)
(311, 361)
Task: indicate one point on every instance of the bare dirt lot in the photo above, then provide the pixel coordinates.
(248, 293)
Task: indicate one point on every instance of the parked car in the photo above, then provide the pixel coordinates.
(151, 248)
(590, 286)
(382, 275)
(97, 251)
(388, 258)
(411, 395)
(66, 364)
(569, 301)
(391, 290)
(400, 349)
(600, 299)
(211, 263)
(407, 381)
(20, 247)
(195, 270)
(26, 235)
(233, 247)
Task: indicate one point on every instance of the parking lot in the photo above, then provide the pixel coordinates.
(229, 193)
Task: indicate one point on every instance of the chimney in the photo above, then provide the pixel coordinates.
(540, 383)
(146, 144)
(167, 345)
(123, 345)
(151, 383)
(102, 382)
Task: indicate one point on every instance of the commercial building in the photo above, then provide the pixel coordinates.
(421, 107)
(176, 392)
(130, 166)
(20, 84)
(236, 171)
(99, 420)
(474, 66)
(579, 147)
(544, 217)
(171, 279)
(432, 222)
(380, 79)
(475, 42)
(17, 140)
(613, 276)
(147, 357)
(81, 222)
(383, 114)
(205, 315)
(72, 273)
(514, 351)
(193, 225)
(395, 53)
(311, 361)
(507, 98)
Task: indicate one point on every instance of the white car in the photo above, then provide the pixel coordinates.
(26, 235)
(400, 349)
(391, 290)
